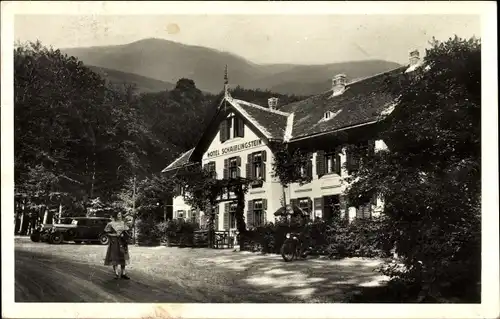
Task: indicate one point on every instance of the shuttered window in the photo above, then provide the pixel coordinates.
(232, 167)
(210, 167)
(229, 216)
(320, 163)
(332, 163)
(259, 212)
(318, 206)
(238, 128)
(256, 165)
(364, 211)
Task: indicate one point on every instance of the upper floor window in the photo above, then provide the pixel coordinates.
(327, 163)
(256, 165)
(232, 167)
(238, 127)
(231, 124)
(210, 168)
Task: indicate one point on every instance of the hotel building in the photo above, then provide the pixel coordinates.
(238, 138)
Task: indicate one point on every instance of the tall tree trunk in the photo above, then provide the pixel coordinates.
(93, 174)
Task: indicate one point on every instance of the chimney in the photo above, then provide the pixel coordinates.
(414, 57)
(338, 84)
(272, 103)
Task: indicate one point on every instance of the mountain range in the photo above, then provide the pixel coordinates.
(155, 64)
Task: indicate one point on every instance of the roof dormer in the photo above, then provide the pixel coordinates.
(339, 82)
(328, 115)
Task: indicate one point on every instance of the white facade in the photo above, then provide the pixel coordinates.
(320, 192)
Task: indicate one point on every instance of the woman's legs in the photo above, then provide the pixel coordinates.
(123, 273)
(114, 270)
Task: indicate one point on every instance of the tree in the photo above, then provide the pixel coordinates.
(429, 177)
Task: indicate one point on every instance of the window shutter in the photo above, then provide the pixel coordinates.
(263, 168)
(294, 202)
(320, 163)
(249, 166)
(310, 205)
(238, 172)
(238, 160)
(250, 215)
(337, 164)
(359, 212)
(226, 168)
(205, 167)
(309, 168)
(368, 211)
(241, 128)
(263, 155)
(264, 204)
(223, 131)
(226, 216)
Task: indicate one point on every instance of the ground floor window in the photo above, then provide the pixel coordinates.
(258, 212)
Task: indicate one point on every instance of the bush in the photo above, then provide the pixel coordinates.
(335, 238)
(178, 232)
(148, 233)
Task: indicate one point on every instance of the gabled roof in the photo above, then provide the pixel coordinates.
(272, 123)
(181, 161)
(362, 102)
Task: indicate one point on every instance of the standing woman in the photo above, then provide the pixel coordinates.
(117, 253)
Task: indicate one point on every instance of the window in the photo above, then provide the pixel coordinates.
(257, 165)
(258, 213)
(327, 115)
(233, 167)
(238, 127)
(194, 216)
(180, 214)
(210, 167)
(232, 218)
(332, 163)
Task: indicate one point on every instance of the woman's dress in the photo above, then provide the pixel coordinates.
(117, 253)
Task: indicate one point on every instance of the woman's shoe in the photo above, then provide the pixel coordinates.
(125, 277)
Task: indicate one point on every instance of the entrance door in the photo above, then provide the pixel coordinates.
(331, 207)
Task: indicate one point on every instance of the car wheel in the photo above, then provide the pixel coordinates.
(56, 238)
(103, 239)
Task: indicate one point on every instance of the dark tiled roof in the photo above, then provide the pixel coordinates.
(271, 122)
(179, 162)
(361, 102)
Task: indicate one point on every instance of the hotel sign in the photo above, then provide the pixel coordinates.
(234, 148)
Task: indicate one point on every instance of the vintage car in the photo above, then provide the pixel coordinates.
(81, 229)
(42, 231)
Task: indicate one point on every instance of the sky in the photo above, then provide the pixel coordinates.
(306, 39)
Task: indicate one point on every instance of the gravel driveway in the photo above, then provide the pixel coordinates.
(75, 273)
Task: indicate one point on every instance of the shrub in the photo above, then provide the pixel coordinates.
(178, 232)
(148, 233)
(335, 238)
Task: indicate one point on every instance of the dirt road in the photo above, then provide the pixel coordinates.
(74, 273)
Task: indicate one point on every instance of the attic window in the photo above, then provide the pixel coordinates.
(328, 115)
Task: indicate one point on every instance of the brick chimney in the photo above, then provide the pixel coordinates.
(272, 103)
(338, 84)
